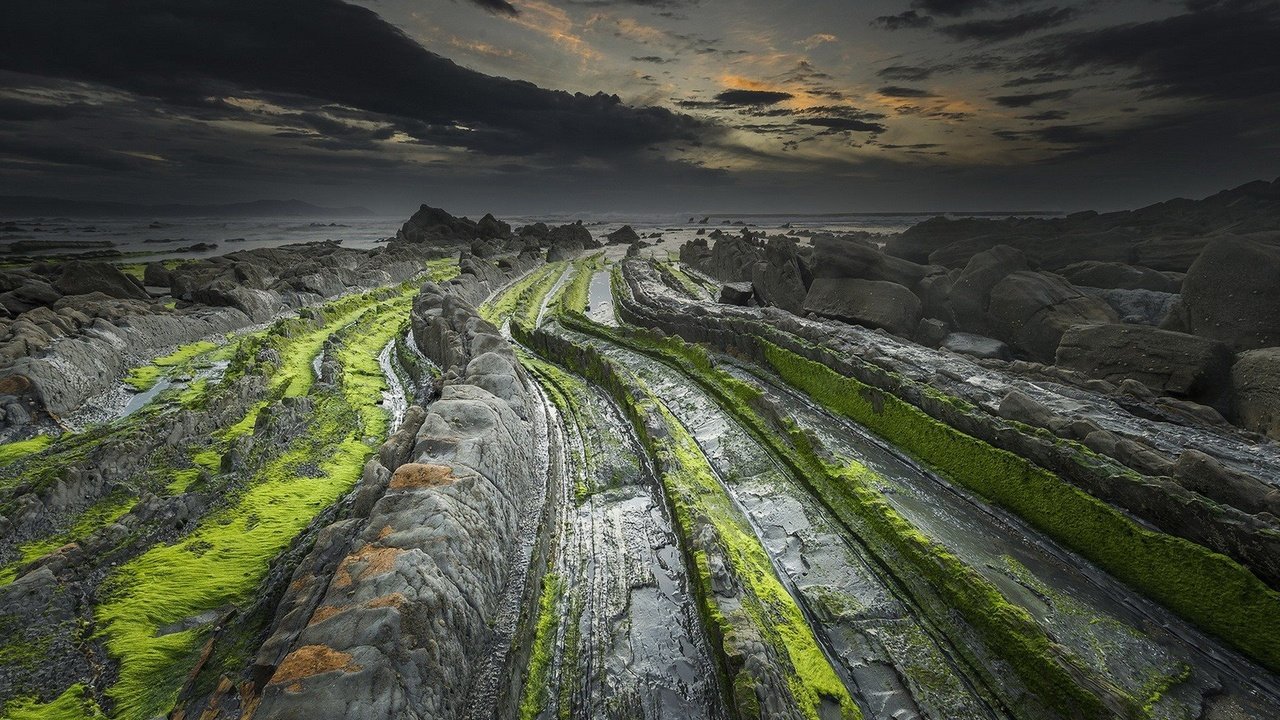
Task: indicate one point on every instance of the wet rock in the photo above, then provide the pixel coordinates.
(1231, 293)
(978, 346)
(873, 303)
(1255, 379)
(736, 293)
(1018, 406)
(1200, 472)
(80, 278)
(1138, 307)
(1031, 311)
(1169, 363)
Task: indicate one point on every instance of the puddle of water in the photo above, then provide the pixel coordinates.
(600, 299)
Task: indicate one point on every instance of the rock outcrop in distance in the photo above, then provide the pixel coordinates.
(1165, 296)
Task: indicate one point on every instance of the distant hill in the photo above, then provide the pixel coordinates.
(31, 206)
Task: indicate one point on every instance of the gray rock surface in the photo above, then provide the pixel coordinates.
(1185, 366)
(1255, 380)
(1232, 293)
(873, 303)
(1031, 311)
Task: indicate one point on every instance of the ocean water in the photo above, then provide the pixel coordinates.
(142, 240)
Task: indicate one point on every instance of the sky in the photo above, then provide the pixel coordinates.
(528, 106)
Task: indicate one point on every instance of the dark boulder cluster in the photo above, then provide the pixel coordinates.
(1181, 297)
(491, 237)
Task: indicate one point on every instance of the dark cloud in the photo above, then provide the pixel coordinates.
(1037, 79)
(17, 110)
(1225, 50)
(1046, 115)
(752, 97)
(655, 59)
(1007, 28)
(913, 146)
(843, 124)
(956, 8)
(185, 52)
(913, 73)
(1029, 99)
(909, 20)
(498, 7)
(899, 91)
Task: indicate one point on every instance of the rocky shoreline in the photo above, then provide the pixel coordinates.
(971, 470)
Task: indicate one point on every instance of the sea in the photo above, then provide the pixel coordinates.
(144, 240)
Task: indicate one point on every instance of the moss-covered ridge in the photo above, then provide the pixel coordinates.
(1207, 588)
(1060, 681)
(717, 533)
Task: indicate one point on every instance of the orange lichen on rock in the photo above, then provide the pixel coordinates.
(418, 475)
(372, 561)
(310, 660)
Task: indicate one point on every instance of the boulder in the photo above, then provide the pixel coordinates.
(873, 303)
(971, 290)
(842, 258)
(1140, 307)
(491, 227)
(624, 235)
(30, 294)
(1094, 273)
(1255, 380)
(80, 278)
(1170, 363)
(1232, 293)
(633, 250)
(736, 293)
(732, 258)
(437, 227)
(260, 305)
(1031, 310)
(782, 279)
(155, 275)
(978, 346)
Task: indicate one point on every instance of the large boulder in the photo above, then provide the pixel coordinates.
(1255, 379)
(971, 291)
(624, 235)
(491, 227)
(782, 279)
(732, 258)
(842, 258)
(437, 227)
(873, 303)
(81, 278)
(31, 293)
(1031, 311)
(1093, 273)
(569, 240)
(736, 294)
(1232, 293)
(1170, 363)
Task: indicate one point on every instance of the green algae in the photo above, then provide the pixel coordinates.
(536, 687)
(849, 490)
(146, 376)
(698, 498)
(75, 703)
(221, 562)
(11, 452)
(1205, 587)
